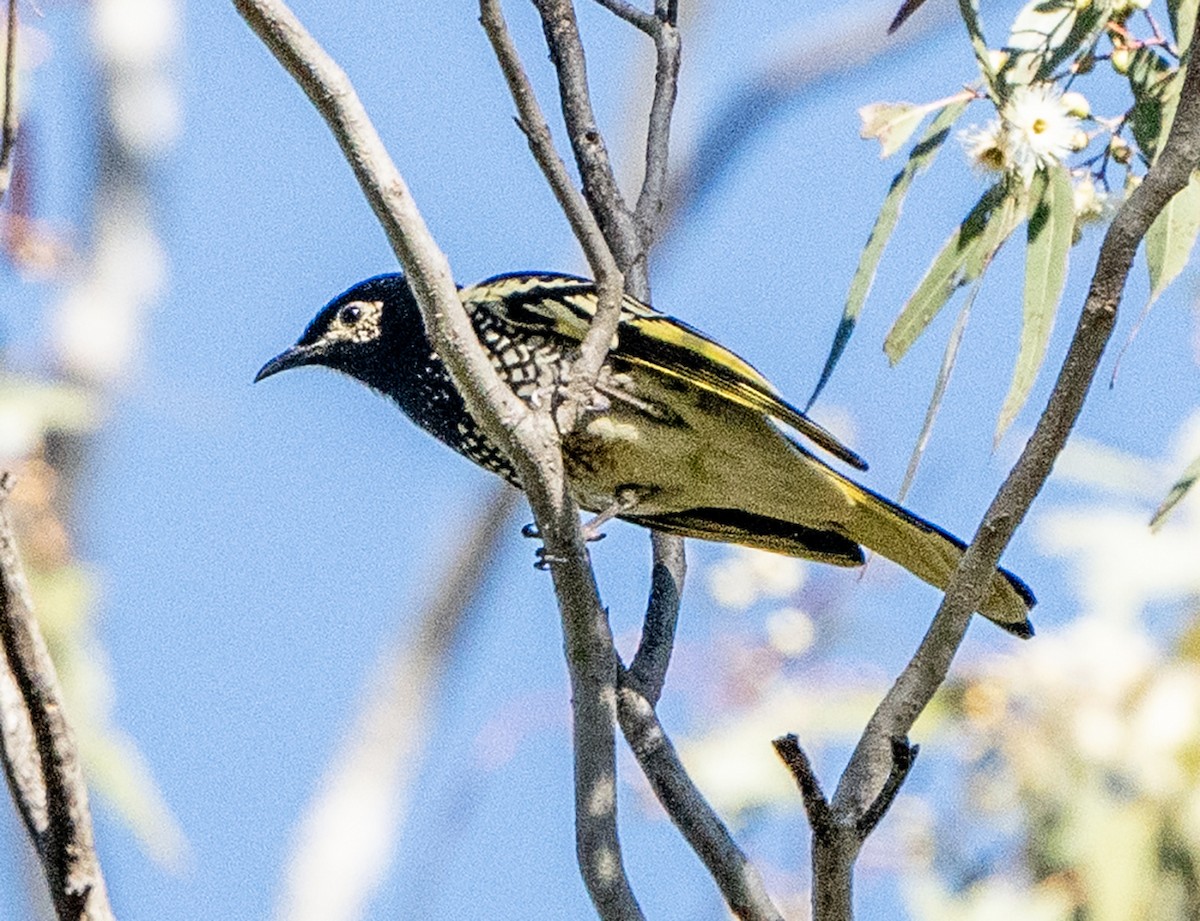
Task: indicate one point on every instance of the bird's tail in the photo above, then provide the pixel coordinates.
(932, 555)
(786, 501)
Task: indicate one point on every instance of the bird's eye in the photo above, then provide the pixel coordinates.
(350, 314)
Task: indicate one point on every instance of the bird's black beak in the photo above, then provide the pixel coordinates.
(294, 357)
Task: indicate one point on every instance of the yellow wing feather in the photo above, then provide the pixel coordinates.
(646, 337)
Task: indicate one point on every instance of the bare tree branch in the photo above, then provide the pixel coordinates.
(64, 843)
(652, 198)
(820, 817)
(644, 22)
(599, 185)
(872, 767)
(529, 439)
(648, 671)
(630, 238)
(8, 126)
(610, 283)
(903, 756)
(739, 882)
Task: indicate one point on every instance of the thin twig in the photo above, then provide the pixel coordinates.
(820, 817)
(904, 756)
(610, 283)
(591, 155)
(65, 845)
(648, 670)
(642, 21)
(529, 439)
(8, 126)
(739, 882)
(652, 198)
(19, 752)
(872, 762)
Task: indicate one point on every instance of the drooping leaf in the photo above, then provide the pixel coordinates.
(939, 392)
(1065, 28)
(1183, 21)
(890, 123)
(962, 259)
(1039, 29)
(1170, 239)
(1178, 491)
(1042, 25)
(1169, 243)
(1151, 80)
(970, 14)
(1006, 218)
(1184, 18)
(1050, 230)
(920, 158)
(906, 9)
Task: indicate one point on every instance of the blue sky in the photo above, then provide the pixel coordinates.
(258, 546)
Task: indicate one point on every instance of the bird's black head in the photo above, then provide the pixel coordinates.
(359, 333)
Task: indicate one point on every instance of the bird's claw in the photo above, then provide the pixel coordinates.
(531, 531)
(591, 535)
(544, 560)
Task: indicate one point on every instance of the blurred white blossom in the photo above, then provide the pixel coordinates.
(986, 147)
(790, 631)
(746, 576)
(1091, 204)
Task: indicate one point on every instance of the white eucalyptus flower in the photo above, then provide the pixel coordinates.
(987, 147)
(1038, 127)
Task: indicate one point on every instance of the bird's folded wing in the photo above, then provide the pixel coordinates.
(566, 304)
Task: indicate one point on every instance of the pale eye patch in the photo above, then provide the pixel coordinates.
(356, 321)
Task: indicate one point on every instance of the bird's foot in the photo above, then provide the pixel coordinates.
(626, 499)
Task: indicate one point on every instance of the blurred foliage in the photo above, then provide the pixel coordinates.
(1083, 749)
(1077, 791)
(51, 407)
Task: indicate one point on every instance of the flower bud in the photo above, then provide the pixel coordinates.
(1076, 104)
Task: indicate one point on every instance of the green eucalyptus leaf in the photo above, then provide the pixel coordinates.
(1171, 237)
(1005, 219)
(922, 155)
(890, 123)
(970, 14)
(949, 358)
(1185, 16)
(1178, 491)
(1086, 29)
(1040, 28)
(1151, 80)
(1050, 230)
(1183, 21)
(963, 258)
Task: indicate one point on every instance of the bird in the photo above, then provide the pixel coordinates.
(681, 435)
